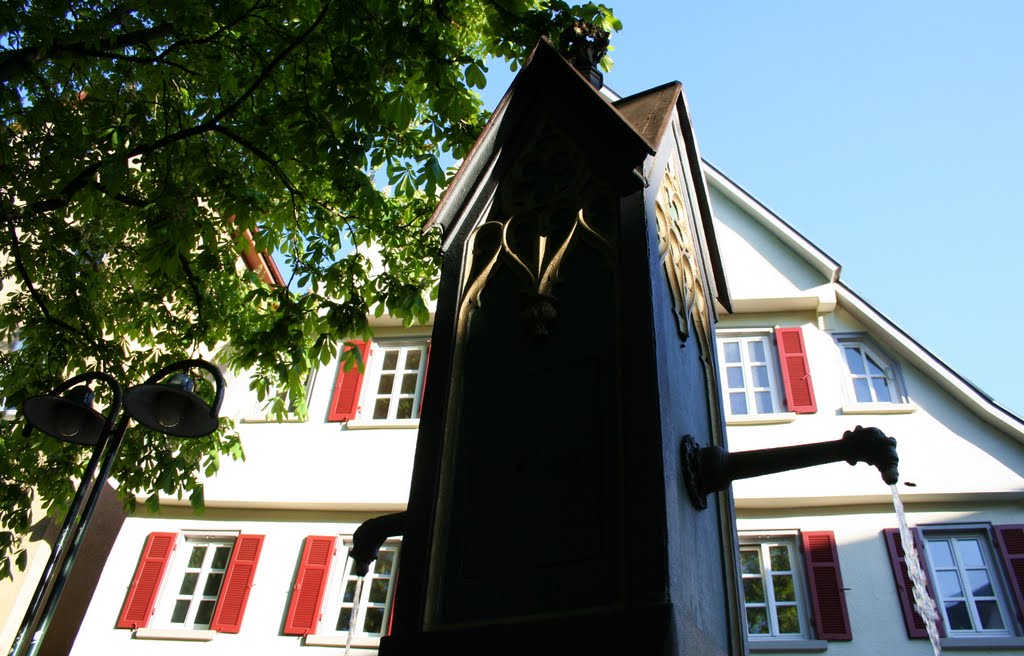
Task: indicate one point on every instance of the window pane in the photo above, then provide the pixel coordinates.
(380, 408)
(784, 590)
(970, 553)
(949, 584)
(384, 563)
(980, 584)
(220, 557)
(409, 383)
(735, 377)
(764, 402)
(404, 409)
(378, 591)
(738, 403)
(732, 351)
(195, 559)
(760, 376)
(750, 563)
(757, 621)
(755, 350)
(188, 584)
(959, 620)
(753, 590)
(344, 619)
(940, 554)
(789, 619)
(854, 361)
(205, 612)
(212, 584)
(412, 360)
(779, 558)
(881, 387)
(350, 591)
(390, 360)
(180, 611)
(989, 616)
(874, 368)
(387, 383)
(861, 390)
(374, 620)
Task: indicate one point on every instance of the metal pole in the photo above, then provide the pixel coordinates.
(113, 444)
(59, 545)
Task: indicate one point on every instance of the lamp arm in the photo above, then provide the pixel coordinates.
(218, 379)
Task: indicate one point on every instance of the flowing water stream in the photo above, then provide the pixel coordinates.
(355, 614)
(923, 603)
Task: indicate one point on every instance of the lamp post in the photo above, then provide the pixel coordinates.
(66, 413)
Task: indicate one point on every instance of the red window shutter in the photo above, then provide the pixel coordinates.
(825, 580)
(310, 585)
(904, 587)
(345, 398)
(423, 383)
(234, 591)
(1010, 538)
(796, 373)
(141, 598)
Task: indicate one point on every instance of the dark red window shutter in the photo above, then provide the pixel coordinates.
(310, 585)
(825, 580)
(904, 587)
(141, 598)
(234, 592)
(1010, 538)
(796, 373)
(423, 383)
(345, 398)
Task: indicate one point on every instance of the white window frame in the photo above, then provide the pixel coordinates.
(370, 393)
(774, 388)
(171, 585)
(993, 565)
(763, 542)
(892, 374)
(341, 577)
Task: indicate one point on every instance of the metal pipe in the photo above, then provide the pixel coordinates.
(712, 468)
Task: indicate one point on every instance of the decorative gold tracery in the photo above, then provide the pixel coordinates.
(680, 258)
(537, 216)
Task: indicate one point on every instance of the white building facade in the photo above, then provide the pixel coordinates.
(265, 568)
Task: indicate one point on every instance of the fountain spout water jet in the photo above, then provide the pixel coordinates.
(712, 468)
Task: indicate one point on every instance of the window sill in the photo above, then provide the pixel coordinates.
(768, 646)
(750, 420)
(338, 640)
(192, 635)
(878, 409)
(287, 419)
(362, 424)
(982, 642)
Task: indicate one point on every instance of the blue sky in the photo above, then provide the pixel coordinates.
(891, 134)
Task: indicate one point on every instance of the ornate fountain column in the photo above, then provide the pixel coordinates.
(572, 349)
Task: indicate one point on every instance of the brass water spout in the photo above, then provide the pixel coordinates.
(712, 468)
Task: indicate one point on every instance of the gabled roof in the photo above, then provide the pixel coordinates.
(877, 324)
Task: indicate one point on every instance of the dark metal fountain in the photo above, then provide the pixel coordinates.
(550, 510)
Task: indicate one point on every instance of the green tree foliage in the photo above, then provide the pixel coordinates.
(318, 125)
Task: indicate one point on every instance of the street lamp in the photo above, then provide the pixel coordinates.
(66, 413)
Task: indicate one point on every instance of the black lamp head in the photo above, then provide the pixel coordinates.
(171, 408)
(69, 418)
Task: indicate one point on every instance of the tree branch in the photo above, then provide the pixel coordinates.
(19, 263)
(15, 63)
